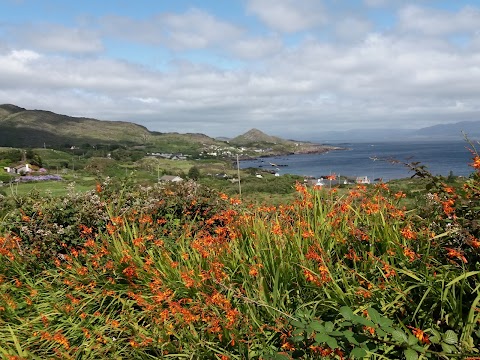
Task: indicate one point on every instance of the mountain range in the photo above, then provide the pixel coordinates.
(20, 127)
(440, 132)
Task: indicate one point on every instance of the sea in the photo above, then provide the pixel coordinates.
(376, 160)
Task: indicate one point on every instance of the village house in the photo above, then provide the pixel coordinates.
(170, 178)
(20, 169)
(362, 180)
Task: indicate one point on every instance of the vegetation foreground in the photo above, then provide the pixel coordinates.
(183, 272)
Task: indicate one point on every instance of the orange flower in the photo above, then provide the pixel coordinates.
(288, 346)
(420, 335)
(409, 253)
(452, 253)
(408, 233)
(448, 208)
(369, 329)
(476, 162)
(98, 188)
(130, 272)
(400, 195)
(308, 234)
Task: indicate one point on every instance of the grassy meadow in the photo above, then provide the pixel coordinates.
(128, 269)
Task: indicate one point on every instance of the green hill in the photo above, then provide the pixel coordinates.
(275, 145)
(34, 128)
(22, 128)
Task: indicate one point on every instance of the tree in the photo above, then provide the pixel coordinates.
(194, 173)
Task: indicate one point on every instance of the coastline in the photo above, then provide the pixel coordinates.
(313, 149)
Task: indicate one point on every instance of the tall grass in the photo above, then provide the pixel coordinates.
(216, 279)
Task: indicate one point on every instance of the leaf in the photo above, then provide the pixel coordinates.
(346, 312)
(450, 337)
(461, 277)
(374, 315)
(332, 343)
(449, 349)
(362, 321)
(336, 333)
(281, 357)
(316, 326)
(436, 338)
(321, 338)
(399, 336)
(349, 336)
(298, 332)
(385, 322)
(412, 340)
(324, 338)
(298, 324)
(297, 338)
(329, 326)
(380, 332)
(388, 329)
(410, 354)
(358, 353)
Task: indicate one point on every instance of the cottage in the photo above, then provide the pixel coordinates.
(20, 169)
(362, 180)
(171, 178)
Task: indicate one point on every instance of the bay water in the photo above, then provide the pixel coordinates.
(374, 160)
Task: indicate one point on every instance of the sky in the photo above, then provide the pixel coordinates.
(292, 68)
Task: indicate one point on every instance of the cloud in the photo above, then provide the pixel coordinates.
(439, 22)
(289, 15)
(57, 38)
(193, 29)
(256, 48)
(352, 28)
(407, 76)
(376, 3)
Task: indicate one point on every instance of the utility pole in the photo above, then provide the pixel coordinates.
(238, 172)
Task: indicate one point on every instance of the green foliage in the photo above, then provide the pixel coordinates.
(194, 173)
(179, 271)
(370, 334)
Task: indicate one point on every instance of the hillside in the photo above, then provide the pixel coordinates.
(275, 145)
(36, 128)
(471, 128)
(255, 136)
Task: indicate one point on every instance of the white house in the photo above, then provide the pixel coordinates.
(362, 180)
(171, 178)
(24, 168)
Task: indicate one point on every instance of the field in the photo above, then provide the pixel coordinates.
(128, 268)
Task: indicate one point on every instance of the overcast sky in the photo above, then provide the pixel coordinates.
(220, 67)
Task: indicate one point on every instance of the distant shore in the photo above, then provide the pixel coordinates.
(313, 149)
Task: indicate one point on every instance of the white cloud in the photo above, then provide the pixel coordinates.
(351, 28)
(57, 38)
(289, 15)
(439, 22)
(407, 76)
(194, 29)
(256, 48)
(198, 29)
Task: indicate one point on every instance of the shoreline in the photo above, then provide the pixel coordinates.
(321, 150)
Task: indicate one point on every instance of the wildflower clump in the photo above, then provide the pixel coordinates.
(186, 272)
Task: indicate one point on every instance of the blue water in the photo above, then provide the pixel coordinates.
(373, 160)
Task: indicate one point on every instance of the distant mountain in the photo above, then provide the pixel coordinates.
(273, 145)
(20, 127)
(34, 128)
(452, 131)
(255, 136)
(471, 128)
